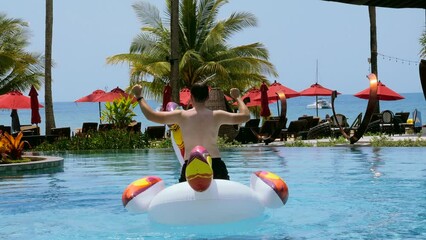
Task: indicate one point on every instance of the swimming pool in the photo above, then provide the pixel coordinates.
(335, 193)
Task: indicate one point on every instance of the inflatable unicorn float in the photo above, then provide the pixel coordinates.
(202, 199)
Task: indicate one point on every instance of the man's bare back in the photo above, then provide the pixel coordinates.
(199, 125)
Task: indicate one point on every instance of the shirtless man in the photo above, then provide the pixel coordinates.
(199, 125)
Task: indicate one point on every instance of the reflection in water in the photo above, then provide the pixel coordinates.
(377, 161)
(370, 158)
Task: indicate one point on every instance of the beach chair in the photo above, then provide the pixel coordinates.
(155, 132)
(387, 122)
(276, 125)
(400, 122)
(30, 130)
(402, 116)
(270, 130)
(86, 128)
(321, 130)
(4, 128)
(312, 121)
(105, 127)
(252, 123)
(295, 128)
(228, 132)
(356, 123)
(246, 135)
(135, 127)
(336, 120)
(341, 119)
(64, 132)
(374, 126)
(417, 121)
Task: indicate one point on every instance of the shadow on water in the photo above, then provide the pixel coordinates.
(20, 174)
(246, 229)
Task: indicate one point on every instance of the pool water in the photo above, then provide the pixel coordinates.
(335, 193)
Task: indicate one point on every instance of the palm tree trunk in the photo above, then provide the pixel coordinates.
(174, 46)
(50, 118)
(373, 45)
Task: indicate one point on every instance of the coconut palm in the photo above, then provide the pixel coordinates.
(19, 69)
(204, 50)
(422, 41)
(48, 100)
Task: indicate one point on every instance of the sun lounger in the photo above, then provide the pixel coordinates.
(64, 132)
(30, 130)
(7, 129)
(265, 135)
(86, 128)
(105, 127)
(295, 128)
(319, 131)
(229, 132)
(155, 132)
(387, 122)
(336, 120)
(134, 127)
(245, 134)
(373, 126)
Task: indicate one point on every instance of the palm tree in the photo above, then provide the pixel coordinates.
(203, 48)
(48, 101)
(174, 52)
(422, 41)
(19, 69)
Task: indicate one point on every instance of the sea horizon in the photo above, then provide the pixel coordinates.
(72, 114)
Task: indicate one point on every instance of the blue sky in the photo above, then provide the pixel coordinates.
(297, 34)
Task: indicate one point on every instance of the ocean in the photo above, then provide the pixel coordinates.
(72, 114)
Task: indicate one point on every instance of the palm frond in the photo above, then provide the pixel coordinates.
(148, 14)
(203, 48)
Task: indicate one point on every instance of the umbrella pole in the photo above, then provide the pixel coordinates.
(100, 116)
(316, 104)
(278, 108)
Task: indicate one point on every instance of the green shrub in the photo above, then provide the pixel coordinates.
(119, 112)
(298, 143)
(111, 139)
(385, 141)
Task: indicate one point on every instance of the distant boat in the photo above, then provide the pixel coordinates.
(320, 104)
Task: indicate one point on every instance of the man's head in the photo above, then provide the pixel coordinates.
(200, 92)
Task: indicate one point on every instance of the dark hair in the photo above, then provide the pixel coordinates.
(200, 92)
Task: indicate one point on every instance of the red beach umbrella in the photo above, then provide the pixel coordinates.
(92, 98)
(228, 98)
(112, 95)
(277, 87)
(167, 96)
(265, 112)
(15, 100)
(35, 113)
(383, 93)
(251, 95)
(316, 90)
(184, 96)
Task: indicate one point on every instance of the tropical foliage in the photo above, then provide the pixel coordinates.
(11, 148)
(204, 49)
(119, 112)
(19, 69)
(99, 140)
(422, 41)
